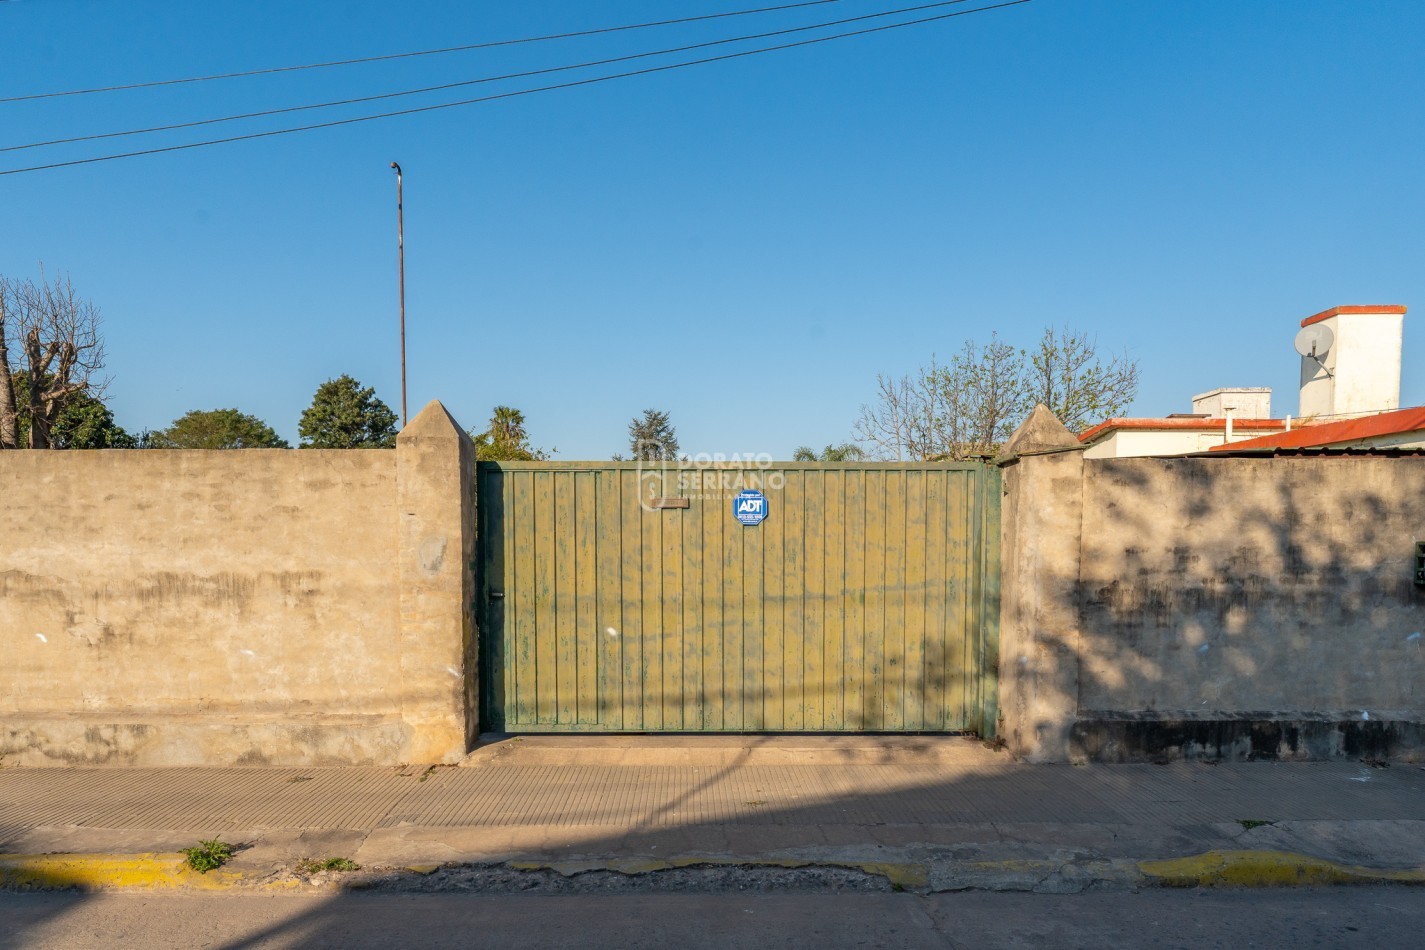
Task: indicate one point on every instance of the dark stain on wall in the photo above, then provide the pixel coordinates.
(1253, 737)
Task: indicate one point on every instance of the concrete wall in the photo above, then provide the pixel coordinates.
(1219, 607)
(258, 606)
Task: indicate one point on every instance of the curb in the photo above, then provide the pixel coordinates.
(1242, 869)
(1267, 869)
(147, 871)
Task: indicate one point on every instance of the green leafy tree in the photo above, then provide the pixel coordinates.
(84, 423)
(652, 437)
(845, 452)
(506, 440)
(344, 415)
(217, 429)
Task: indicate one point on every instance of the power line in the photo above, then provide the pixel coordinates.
(487, 79)
(510, 95)
(425, 52)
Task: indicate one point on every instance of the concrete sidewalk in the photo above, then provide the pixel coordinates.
(924, 813)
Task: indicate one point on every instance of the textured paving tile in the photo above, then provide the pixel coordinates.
(204, 800)
(656, 799)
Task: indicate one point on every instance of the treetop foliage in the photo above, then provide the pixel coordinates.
(217, 429)
(845, 452)
(652, 438)
(345, 415)
(506, 440)
(84, 423)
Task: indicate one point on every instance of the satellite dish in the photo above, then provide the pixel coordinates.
(1314, 341)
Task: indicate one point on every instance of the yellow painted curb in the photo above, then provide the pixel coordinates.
(1266, 869)
(100, 871)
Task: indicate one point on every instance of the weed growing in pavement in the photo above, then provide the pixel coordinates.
(207, 855)
(1250, 823)
(312, 866)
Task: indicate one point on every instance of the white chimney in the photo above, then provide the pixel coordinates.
(1360, 372)
(1244, 402)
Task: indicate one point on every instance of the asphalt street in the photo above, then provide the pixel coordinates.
(1374, 917)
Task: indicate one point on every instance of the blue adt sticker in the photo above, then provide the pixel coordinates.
(750, 506)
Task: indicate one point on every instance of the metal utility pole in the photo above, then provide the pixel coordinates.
(401, 253)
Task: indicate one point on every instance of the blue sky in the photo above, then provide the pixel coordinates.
(745, 244)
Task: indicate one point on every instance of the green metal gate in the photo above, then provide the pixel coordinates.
(617, 599)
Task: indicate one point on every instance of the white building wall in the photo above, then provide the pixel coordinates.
(1245, 403)
(1137, 443)
(1361, 371)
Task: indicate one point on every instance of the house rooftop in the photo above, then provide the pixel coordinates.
(1379, 426)
(1381, 308)
(1178, 423)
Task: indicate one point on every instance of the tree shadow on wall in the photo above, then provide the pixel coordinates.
(1249, 608)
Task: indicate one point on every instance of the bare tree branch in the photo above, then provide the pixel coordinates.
(972, 404)
(61, 350)
(9, 411)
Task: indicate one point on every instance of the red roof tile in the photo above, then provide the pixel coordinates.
(1331, 433)
(1359, 308)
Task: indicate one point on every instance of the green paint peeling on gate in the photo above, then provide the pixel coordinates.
(618, 599)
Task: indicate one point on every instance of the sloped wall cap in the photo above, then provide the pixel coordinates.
(1041, 432)
(432, 422)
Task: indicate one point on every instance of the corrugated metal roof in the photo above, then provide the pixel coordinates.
(1381, 425)
(1309, 451)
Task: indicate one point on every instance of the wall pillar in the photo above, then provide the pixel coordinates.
(1042, 524)
(435, 475)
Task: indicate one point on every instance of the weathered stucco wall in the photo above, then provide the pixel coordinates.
(1039, 623)
(1254, 591)
(1222, 607)
(257, 606)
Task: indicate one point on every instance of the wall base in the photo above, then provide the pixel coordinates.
(1165, 740)
(164, 741)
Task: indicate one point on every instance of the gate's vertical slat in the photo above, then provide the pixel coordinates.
(794, 640)
(493, 536)
(586, 583)
(565, 605)
(690, 540)
(913, 659)
(875, 669)
(523, 607)
(670, 634)
(754, 716)
(546, 648)
(833, 621)
(734, 629)
(814, 603)
(714, 620)
(975, 626)
(894, 707)
(609, 548)
(774, 585)
(937, 593)
(959, 602)
(989, 553)
(855, 669)
(650, 686)
(631, 634)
